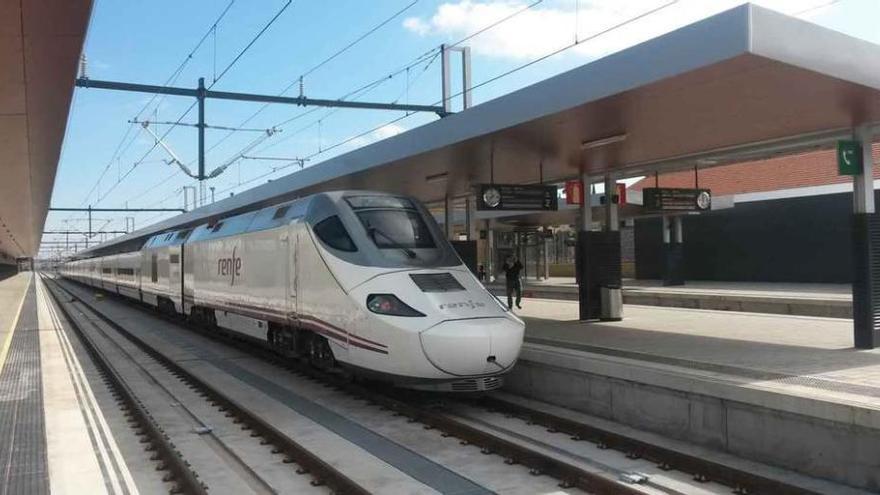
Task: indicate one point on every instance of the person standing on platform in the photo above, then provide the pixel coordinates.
(512, 267)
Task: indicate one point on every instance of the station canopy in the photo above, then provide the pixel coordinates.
(745, 84)
(40, 46)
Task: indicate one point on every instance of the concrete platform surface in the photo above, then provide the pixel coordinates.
(789, 345)
(830, 300)
(12, 292)
(785, 390)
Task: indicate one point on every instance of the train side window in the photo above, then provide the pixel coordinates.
(154, 268)
(332, 232)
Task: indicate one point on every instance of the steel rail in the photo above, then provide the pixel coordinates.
(322, 472)
(701, 468)
(569, 475)
(187, 480)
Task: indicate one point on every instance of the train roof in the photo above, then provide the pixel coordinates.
(265, 218)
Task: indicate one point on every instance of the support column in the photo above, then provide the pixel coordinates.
(490, 248)
(586, 310)
(604, 263)
(471, 218)
(866, 251)
(467, 249)
(545, 245)
(611, 216)
(447, 219)
(673, 251)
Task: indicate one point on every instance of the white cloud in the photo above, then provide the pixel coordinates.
(417, 25)
(550, 26)
(388, 131)
(379, 134)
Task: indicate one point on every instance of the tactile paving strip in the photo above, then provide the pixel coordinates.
(24, 468)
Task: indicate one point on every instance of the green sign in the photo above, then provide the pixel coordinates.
(849, 158)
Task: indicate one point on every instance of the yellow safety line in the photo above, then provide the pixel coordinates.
(5, 349)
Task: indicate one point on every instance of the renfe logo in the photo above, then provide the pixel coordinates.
(229, 266)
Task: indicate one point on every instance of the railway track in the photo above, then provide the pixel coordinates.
(702, 469)
(186, 479)
(568, 474)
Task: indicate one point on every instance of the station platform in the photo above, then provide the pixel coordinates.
(55, 434)
(785, 390)
(828, 300)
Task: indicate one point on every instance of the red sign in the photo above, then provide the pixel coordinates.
(574, 192)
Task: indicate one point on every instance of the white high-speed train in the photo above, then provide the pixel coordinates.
(362, 280)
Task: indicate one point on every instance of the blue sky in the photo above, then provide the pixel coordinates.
(146, 41)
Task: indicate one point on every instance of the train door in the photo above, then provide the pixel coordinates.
(175, 277)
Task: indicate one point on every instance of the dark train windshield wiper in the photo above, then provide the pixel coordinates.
(408, 252)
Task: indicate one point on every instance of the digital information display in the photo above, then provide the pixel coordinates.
(676, 199)
(517, 197)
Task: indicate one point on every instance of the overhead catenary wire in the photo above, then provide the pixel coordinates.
(430, 55)
(364, 90)
(170, 80)
(483, 83)
(229, 66)
(357, 40)
(252, 41)
(323, 150)
(298, 80)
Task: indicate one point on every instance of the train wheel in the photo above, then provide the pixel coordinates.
(320, 354)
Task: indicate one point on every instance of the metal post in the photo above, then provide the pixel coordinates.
(444, 72)
(490, 248)
(90, 224)
(185, 197)
(447, 218)
(471, 205)
(200, 96)
(467, 218)
(863, 184)
(466, 75)
(201, 126)
(546, 240)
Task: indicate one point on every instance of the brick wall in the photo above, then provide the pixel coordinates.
(788, 172)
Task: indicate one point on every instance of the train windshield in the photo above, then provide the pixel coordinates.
(392, 223)
(391, 229)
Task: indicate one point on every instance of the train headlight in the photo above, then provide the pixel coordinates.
(389, 304)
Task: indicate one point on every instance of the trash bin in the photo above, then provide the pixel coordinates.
(612, 303)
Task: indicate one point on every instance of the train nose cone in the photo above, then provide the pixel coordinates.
(473, 347)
